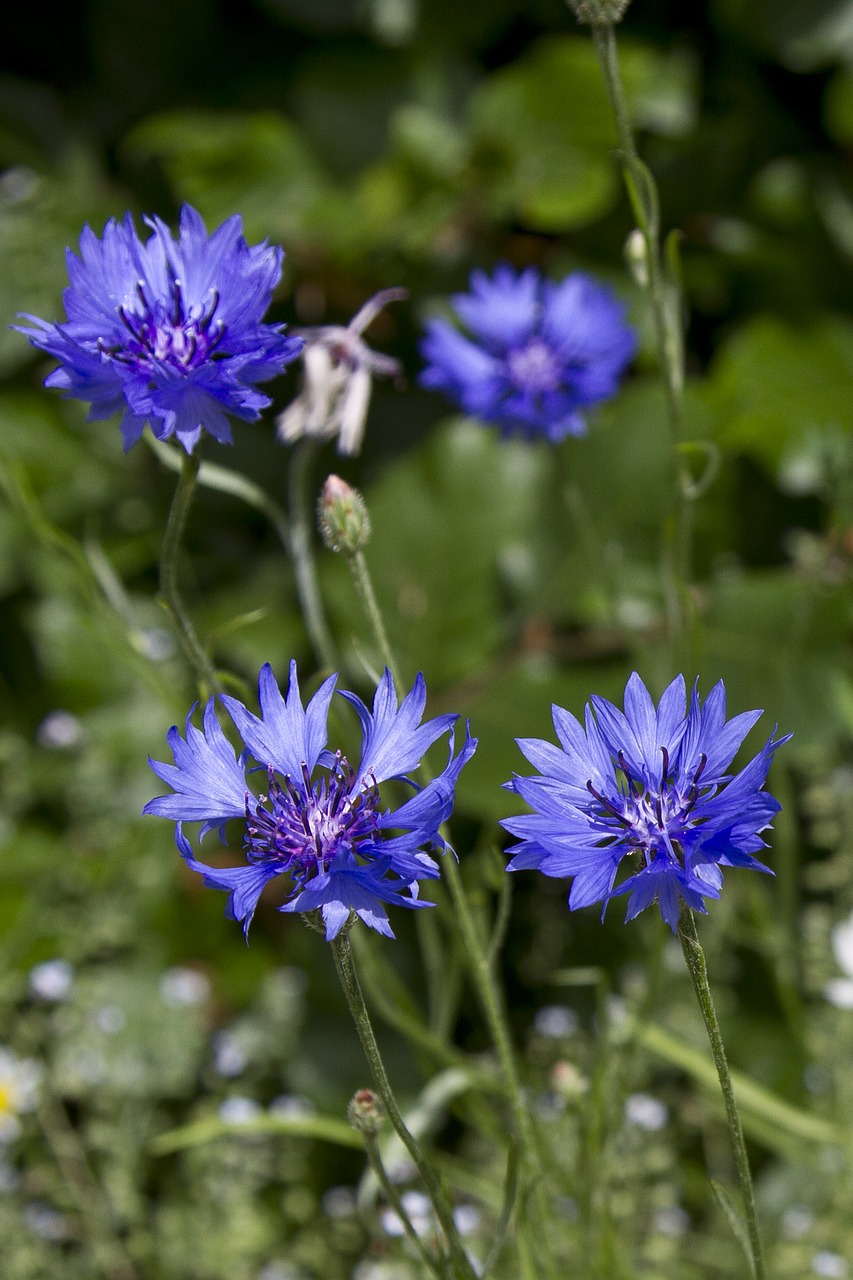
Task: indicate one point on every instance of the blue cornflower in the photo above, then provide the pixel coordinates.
(320, 821)
(649, 783)
(539, 352)
(168, 332)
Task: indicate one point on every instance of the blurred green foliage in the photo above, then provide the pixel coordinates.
(403, 142)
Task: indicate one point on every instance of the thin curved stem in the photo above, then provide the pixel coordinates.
(366, 594)
(301, 546)
(667, 327)
(394, 1198)
(491, 999)
(698, 970)
(170, 595)
(344, 963)
(477, 955)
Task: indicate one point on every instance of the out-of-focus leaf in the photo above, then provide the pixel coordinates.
(253, 163)
(771, 384)
(779, 642)
(548, 117)
(41, 214)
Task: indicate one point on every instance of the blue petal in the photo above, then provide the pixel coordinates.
(286, 737)
(208, 782)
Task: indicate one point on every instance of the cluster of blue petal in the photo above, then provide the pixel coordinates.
(168, 332)
(320, 821)
(538, 352)
(650, 785)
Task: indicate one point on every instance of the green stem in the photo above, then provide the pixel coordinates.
(491, 1000)
(698, 970)
(342, 953)
(393, 1197)
(170, 596)
(476, 953)
(364, 588)
(301, 545)
(667, 326)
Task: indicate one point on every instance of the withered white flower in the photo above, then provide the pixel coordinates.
(338, 369)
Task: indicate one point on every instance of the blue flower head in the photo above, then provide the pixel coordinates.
(320, 821)
(538, 353)
(168, 332)
(650, 785)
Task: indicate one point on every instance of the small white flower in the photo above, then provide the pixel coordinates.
(110, 1019)
(59, 731)
(292, 1105)
(672, 1220)
(338, 367)
(51, 980)
(830, 1265)
(842, 945)
(796, 1221)
(239, 1110)
(555, 1021)
(646, 1112)
(19, 1081)
(230, 1058)
(184, 988)
(839, 991)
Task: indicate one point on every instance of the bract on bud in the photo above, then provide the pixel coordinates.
(365, 1112)
(342, 516)
(599, 11)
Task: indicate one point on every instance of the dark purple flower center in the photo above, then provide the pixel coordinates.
(535, 367)
(305, 825)
(651, 818)
(167, 333)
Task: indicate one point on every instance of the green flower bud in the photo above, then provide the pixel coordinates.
(599, 12)
(342, 517)
(365, 1112)
(637, 257)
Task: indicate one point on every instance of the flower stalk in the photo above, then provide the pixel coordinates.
(480, 963)
(345, 965)
(300, 541)
(170, 596)
(695, 959)
(665, 299)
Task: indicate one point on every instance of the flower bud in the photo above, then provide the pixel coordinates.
(599, 12)
(365, 1112)
(637, 257)
(342, 516)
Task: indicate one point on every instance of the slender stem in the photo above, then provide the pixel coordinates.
(342, 953)
(491, 1000)
(301, 542)
(91, 1202)
(667, 327)
(393, 1197)
(475, 949)
(364, 587)
(169, 593)
(697, 968)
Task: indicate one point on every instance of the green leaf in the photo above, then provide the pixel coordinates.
(222, 162)
(323, 1128)
(734, 1219)
(772, 384)
(773, 1120)
(547, 117)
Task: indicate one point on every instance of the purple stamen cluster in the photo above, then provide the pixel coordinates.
(651, 786)
(531, 355)
(168, 332)
(306, 826)
(320, 823)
